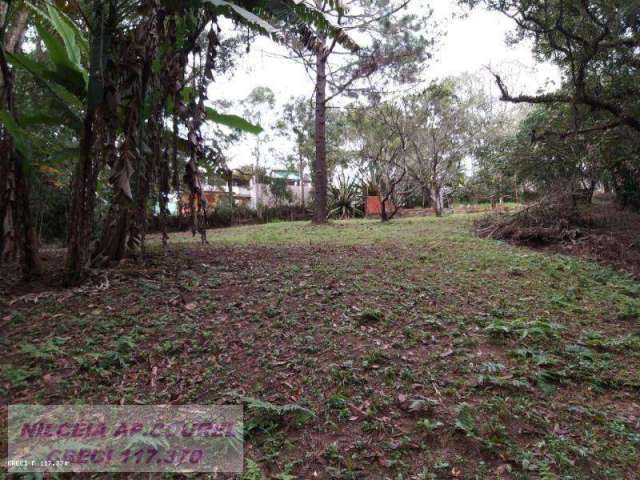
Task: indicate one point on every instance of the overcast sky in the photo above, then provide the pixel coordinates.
(472, 40)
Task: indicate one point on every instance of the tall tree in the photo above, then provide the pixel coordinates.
(297, 122)
(17, 232)
(393, 45)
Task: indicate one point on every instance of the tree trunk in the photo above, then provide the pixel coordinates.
(132, 169)
(231, 201)
(163, 194)
(13, 37)
(383, 209)
(230, 191)
(301, 180)
(82, 204)
(18, 238)
(590, 191)
(112, 246)
(85, 176)
(31, 266)
(175, 180)
(436, 193)
(320, 160)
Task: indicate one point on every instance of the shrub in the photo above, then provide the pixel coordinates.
(345, 199)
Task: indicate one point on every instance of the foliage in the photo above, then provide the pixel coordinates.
(253, 471)
(465, 419)
(266, 416)
(345, 198)
(119, 72)
(440, 131)
(585, 130)
(279, 190)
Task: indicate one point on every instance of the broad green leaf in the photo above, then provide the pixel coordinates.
(55, 48)
(72, 35)
(51, 119)
(64, 27)
(465, 420)
(245, 14)
(65, 55)
(20, 60)
(70, 104)
(66, 73)
(233, 121)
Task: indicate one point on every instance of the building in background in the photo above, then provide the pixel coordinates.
(262, 192)
(249, 190)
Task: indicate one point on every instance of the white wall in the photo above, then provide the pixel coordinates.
(261, 195)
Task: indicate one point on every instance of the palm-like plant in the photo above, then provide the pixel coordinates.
(345, 198)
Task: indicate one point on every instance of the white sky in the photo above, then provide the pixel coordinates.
(471, 42)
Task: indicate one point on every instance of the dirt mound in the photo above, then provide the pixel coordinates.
(598, 231)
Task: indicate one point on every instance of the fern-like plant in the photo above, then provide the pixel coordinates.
(267, 416)
(465, 419)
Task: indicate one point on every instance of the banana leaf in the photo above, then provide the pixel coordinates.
(233, 121)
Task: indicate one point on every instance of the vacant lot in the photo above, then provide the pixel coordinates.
(422, 351)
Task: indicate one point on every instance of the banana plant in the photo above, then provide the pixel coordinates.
(78, 74)
(64, 75)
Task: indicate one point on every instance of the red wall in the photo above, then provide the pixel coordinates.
(373, 206)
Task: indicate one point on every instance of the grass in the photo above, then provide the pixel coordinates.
(421, 350)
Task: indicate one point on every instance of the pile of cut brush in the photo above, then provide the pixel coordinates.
(564, 222)
(553, 219)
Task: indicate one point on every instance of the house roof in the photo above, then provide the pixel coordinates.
(288, 175)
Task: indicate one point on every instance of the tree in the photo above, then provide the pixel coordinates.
(381, 136)
(492, 126)
(259, 101)
(297, 122)
(438, 139)
(394, 47)
(279, 190)
(17, 233)
(595, 43)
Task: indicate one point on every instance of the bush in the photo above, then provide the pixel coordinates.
(285, 212)
(221, 215)
(345, 199)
